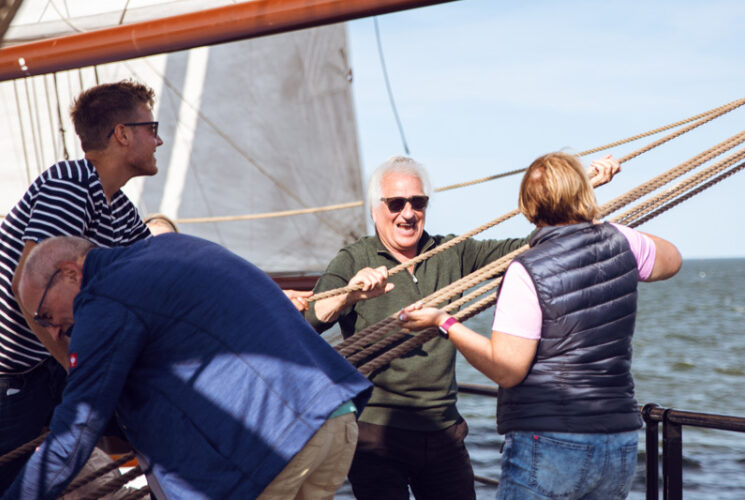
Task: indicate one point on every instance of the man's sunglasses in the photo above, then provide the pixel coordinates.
(397, 203)
(153, 126)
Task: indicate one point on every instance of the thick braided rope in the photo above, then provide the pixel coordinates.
(370, 334)
(600, 148)
(114, 484)
(419, 339)
(687, 196)
(724, 108)
(401, 334)
(424, 336)
(419, 258)
(654, 202)
(668, 175)
(78, 483)
(452, 306)
(376, 331)
(488, 301)
(365, 337)
(139, 493)
(24, 449)
(707, 118)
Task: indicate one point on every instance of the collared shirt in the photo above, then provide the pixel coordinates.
(65, 200)
(417, 391)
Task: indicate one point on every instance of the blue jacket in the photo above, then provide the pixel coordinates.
(586, 278)
(216, 378)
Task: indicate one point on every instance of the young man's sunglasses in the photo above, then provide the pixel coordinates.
(153, 127)
(397, 203)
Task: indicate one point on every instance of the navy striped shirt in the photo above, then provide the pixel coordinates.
(65, 200)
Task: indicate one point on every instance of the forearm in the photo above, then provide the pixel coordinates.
(328, 310)
(51, 468)
(476, 348)
(482, 354)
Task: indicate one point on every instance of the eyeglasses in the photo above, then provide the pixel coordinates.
(45, 321)
(153, 126)
(397, 203)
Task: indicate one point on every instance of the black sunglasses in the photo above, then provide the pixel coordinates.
(397, 203)
(38, 318)
(153, 126)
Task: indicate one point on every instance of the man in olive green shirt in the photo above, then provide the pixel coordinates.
(410, 433)
(413, 402)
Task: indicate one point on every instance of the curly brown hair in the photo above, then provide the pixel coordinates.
(98, 109)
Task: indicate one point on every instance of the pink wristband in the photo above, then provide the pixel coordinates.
(445, 326)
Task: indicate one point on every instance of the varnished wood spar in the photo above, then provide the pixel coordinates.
(296, 282)
(186, 31)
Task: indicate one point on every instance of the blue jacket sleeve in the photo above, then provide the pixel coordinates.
(105, 342)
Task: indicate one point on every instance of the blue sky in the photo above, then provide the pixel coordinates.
(484, 87)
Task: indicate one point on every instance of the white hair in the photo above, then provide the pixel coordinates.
(398, 164)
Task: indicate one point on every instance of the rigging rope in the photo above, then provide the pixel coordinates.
(642, 212)
(79, 483)
(114, 484)
(707, 118)
(712, 113)
(23, 449)
(388, 86)
(633, 217)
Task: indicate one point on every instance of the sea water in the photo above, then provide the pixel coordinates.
(689, 354)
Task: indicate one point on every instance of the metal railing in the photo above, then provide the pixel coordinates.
(672, 441)
(672, 444)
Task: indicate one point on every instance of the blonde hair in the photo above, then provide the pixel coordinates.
(555, 190)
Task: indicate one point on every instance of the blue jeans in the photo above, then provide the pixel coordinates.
(549, 465)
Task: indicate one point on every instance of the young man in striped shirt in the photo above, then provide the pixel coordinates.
(79, 198)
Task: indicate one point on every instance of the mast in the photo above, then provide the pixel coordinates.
(8, 9)
(195, 29)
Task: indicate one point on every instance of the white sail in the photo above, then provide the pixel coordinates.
(42, 19)
(255, 126)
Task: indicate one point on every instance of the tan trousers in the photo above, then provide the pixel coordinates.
(319, 469)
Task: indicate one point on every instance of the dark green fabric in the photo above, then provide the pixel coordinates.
(417, 391)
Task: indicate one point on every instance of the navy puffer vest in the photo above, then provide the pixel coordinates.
(586, 277)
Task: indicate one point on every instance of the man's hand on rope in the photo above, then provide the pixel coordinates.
(602, 171)
(299, 299)
(371, 283)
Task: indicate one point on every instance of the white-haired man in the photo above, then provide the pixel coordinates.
(411, 434)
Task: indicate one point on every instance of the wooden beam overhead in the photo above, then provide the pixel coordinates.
(206, 27)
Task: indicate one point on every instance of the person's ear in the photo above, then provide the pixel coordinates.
(71, 271)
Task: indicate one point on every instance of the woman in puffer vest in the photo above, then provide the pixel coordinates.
(560, 347)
